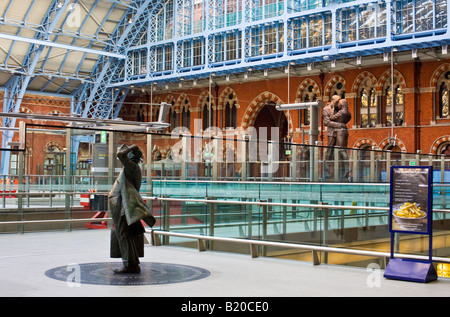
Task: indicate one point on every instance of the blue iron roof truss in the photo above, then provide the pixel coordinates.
(166, 54)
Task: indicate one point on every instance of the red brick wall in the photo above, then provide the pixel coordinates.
(418, 133)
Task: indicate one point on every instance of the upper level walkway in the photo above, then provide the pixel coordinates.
(25, 259)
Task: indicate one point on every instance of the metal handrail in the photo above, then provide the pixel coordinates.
(156, 241)
(22, 222)
(252, 243)
(263, 203)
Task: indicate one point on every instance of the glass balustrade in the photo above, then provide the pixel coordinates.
(217, 186)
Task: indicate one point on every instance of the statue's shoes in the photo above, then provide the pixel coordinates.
(128, 269)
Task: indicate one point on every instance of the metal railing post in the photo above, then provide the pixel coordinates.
(336, 164)
(264, 228)
(166, 220)
(372, 166)
(68, 176)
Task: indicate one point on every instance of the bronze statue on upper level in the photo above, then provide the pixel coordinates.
(335, 118)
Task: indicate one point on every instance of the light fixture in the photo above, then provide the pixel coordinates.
(227, 77)
(414, 53)
(300, 105)
(385, 56)
(246, 75)
(309, 66)
(194, 82)
(444, 49)
(266, 72)
(333, 63)
(98, 123)
(358, 60)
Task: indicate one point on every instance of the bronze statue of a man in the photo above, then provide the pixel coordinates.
(127, 210)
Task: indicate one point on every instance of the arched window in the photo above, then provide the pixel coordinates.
(230, 115)
(207, 113)
(445, 149)
(186, 114)
(368, 105)
(54, 160)
(230, 112)
(309, 94)
(399, 106)
(140, 116)
(338, 89)
(443, 95)
(174, 118)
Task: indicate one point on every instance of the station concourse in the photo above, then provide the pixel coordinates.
(230, 275)
(236, 107)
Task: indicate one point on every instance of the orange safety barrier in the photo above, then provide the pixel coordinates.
(9, 191)
(96, 224)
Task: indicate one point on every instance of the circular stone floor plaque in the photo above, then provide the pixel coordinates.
(102, 273)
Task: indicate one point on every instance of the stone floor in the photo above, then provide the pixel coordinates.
(26, 258)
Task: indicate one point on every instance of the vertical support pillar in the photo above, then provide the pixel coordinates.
(294, 163)
(336, 164)
(325, 233)
(148, 163)
(355, 165)
(315, 257)
(417, 159)
(442, 192)
(212, 220)
(21, 168)
(270, 162)
(264, 228)
(20, 190)
(372, 166)
(314, 163)
(215, 159)
(111, 157)
(243, 147)
(185, 145)
(314, 123)
(313, 139)
(253, 251)
(68, 176)
(388, 166)
(166, 220)
(430, 160)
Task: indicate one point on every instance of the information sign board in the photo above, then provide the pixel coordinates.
(410, 205)
(411, 212)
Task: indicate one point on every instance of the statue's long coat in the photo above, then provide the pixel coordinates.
(124, 199)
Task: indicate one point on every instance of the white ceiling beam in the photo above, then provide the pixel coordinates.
(60, 45)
